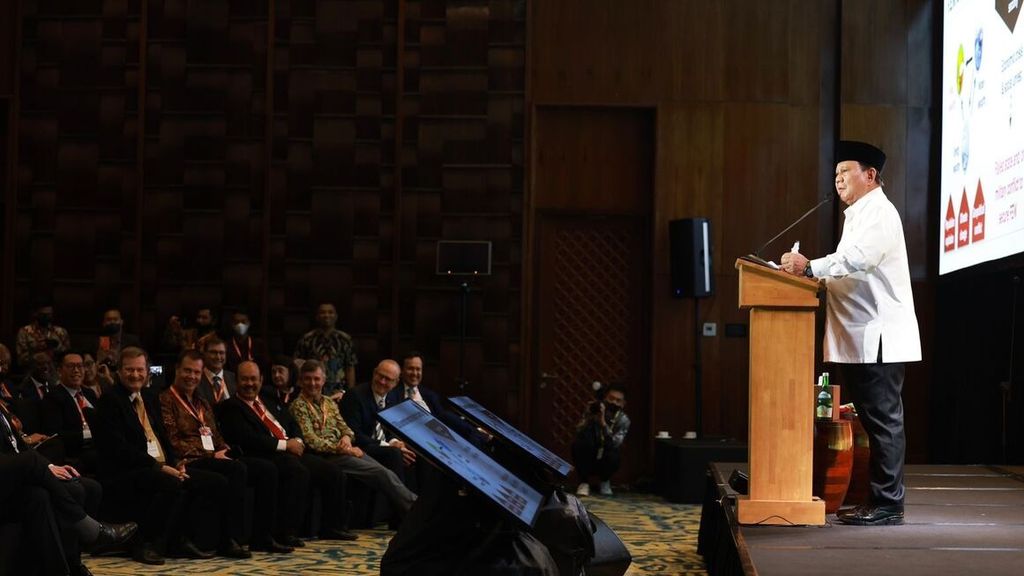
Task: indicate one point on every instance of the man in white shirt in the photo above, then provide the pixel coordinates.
(217, 384)
(870, 325)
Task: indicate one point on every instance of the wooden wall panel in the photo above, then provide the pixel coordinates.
(76, 189)
(273, 138)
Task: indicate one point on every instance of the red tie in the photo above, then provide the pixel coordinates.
(80, 400)
(270, 424)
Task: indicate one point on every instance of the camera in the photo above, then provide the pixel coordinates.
(595, 407)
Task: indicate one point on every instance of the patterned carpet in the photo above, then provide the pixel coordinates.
(662, 538)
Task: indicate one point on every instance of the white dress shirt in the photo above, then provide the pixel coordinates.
(868, 287)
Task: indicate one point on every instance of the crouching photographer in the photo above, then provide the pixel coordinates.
(599, 436)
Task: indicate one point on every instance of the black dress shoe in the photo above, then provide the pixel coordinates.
(292, 541)
(187, 549)
(272, 546)
(233, 549)
(112, 536)
(338, 535)
(873, 515)
(146, 554)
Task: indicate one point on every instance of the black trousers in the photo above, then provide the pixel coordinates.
(151, 498)
(331, 481)
(226, 479)
(585, 450)
(876, 392)
(48, 509)
(292, 487)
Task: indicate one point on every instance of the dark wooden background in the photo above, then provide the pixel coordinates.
(163, 154)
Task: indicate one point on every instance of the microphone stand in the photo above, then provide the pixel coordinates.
(827, 199)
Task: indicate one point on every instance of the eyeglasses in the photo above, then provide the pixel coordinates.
(78, 366)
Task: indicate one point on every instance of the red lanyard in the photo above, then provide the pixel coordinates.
(322, 410)
(186, 405)
(248, 355)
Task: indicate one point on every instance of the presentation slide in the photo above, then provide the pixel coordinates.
(429, 437)
(982, 133)
(511, 435)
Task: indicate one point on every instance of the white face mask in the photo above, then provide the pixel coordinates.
(241, 329)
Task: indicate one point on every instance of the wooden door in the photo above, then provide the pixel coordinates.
(593, 184)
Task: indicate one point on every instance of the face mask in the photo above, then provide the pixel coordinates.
(241, 329)
(44, 319)
(611, 409)
(111, 329)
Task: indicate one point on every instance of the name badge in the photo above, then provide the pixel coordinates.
(153, 448)
(207, 437)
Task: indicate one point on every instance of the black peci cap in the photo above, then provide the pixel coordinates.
(861, 152)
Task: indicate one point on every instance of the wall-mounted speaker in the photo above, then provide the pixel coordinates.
(690, 258)
(463, 258)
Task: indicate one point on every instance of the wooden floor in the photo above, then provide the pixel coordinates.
(959, 520)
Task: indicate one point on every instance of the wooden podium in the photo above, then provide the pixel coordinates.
(781, 447)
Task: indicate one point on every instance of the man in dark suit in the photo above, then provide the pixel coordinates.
(139, 468)
(49, 501)
(216, 384)
(270, 432)
(359, 409)
(68, 410)
(410, 389)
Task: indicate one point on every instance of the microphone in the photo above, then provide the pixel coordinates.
(827, 199)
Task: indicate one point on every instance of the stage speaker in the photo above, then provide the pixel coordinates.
(611, 558)
(463, 258)
(690, 258)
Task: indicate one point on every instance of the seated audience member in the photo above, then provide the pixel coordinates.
(68, 410)
(333, 348)
(359, 410)
(8, 390)
(41, 336)
(282, 389)
(217, 384)
(52, 503)
(242, 345)
(411, 388)
(326, 433)
(197, 443)
(139, 469)
(112, 339)
(178, 338)
(264, 431)
(93, 379)
(40, 378)
(599, 436)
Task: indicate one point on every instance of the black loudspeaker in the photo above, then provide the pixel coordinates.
(611, 557)
(463, 258)
(690, 258)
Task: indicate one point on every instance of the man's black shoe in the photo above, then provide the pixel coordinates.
(112, 536)
(272, 546)
(233, 549)
(338, 535)
(187, 549)
(293, 542)
(146, 554)
(873, 515)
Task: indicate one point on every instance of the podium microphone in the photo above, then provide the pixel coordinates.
(757, 255)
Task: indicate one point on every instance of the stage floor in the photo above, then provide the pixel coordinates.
(959, 520)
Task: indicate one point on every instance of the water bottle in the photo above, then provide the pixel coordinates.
(823, 408)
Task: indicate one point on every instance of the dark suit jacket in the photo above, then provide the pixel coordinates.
(438, 409)
(60, 416)
(206, 387)
(242, 428)
(120, 438)
(359, 410)
(27, 389)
